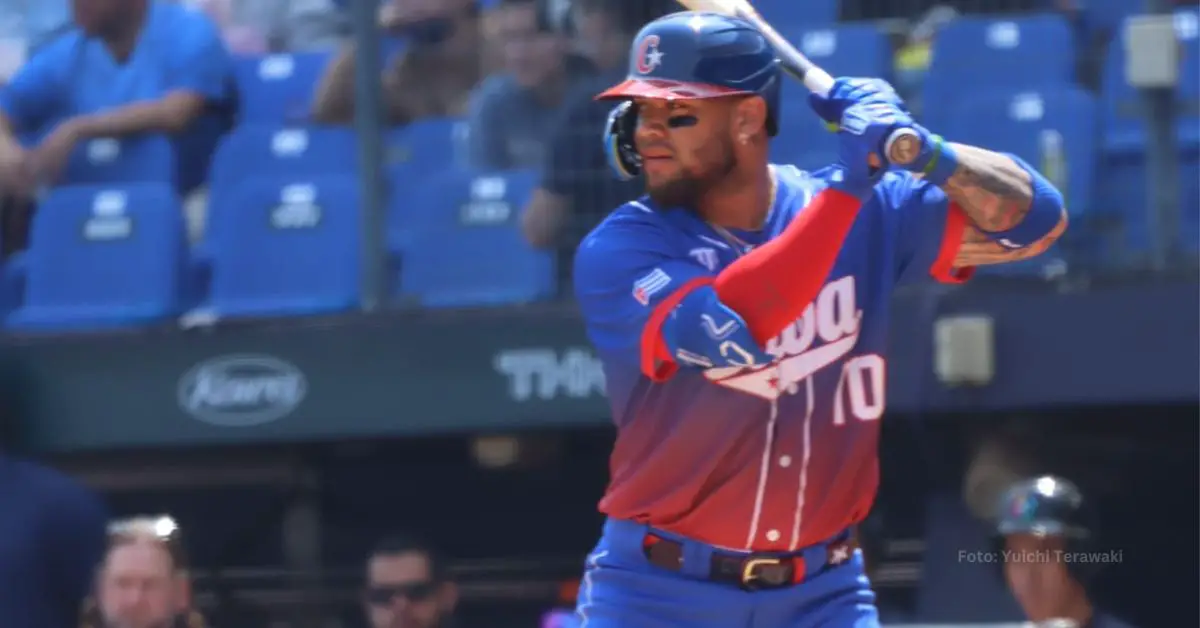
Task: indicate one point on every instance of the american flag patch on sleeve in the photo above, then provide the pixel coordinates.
(650, 285)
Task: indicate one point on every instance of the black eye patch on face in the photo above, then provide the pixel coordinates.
(681, 121)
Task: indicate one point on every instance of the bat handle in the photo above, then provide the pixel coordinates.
(902, 147)
(818, 81)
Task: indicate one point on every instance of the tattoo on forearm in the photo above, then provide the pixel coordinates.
(977, 249)
(991, 189)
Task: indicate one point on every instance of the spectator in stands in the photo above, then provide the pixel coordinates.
(577, 189)
(51, 539)
(407, 586)
(512, 112)
(127, 67)
(260, 26)
(603, 29)
(432, 78)
(143, 580)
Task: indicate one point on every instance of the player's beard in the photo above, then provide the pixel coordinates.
(687, 189)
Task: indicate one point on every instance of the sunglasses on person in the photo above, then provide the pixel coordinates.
(382, 595)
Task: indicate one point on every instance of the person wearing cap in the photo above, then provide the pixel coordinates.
(1047, 542)
(143, 581)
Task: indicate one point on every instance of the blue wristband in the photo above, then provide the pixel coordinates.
(1045, 212)
(938, 161)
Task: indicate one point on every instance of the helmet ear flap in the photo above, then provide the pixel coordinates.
(619, 146)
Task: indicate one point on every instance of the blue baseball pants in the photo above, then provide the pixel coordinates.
(622, 589)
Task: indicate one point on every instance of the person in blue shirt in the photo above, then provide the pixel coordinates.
(126, 67)
(52, 537)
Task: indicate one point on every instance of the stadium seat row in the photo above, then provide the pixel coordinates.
(276, 245)
(970, 52)
(284, 231)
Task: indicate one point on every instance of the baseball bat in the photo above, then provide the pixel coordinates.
(901, 147)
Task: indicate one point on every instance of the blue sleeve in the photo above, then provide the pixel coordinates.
(35, 93)
(627, 281)
(77, 529)
(925, 229)
(199, 61)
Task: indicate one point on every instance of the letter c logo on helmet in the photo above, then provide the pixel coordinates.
(648, 56)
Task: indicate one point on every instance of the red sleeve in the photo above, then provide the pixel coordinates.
(943, 268)
(657, 362)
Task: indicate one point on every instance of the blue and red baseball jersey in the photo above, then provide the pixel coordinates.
(768, 458)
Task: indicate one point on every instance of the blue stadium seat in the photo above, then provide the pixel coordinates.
(102, 257)
(803, 139)
(272, 150)
(1036, 126)
(1123, 145)
(284, 245)
(973, 53)
(419, 150)
(278, 88)
(426, 146)
(467, 248)
(135, 159)
(1107, 15)
(847, 49)
(790, 13)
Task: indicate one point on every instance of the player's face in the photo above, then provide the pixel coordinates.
(532, 55)
(686, 147)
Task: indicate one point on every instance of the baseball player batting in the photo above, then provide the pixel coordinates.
(741, 311)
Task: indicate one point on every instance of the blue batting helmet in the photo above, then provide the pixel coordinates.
(695, 55)
(1044, 506)
(1050, 506)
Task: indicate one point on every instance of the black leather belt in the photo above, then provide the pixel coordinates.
(751, 572)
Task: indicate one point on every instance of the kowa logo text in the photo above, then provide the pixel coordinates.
(242, 390)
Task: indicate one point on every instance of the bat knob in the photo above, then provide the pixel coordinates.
(903, 147)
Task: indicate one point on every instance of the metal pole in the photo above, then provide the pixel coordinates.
(368, 124)
(1162, 164)
(302, 546)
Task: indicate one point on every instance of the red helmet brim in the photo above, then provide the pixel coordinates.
(660, 89)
